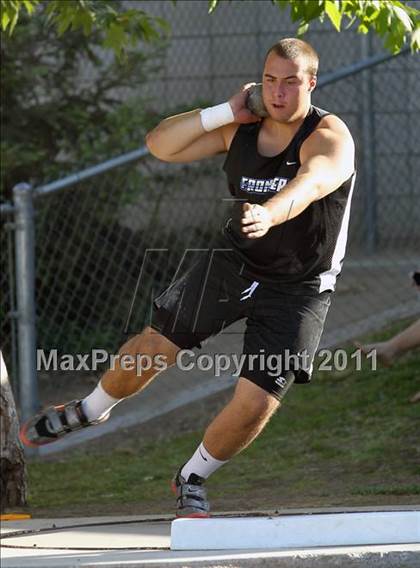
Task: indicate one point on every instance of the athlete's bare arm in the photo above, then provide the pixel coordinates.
(327, 156)
(327, 160)
(182, 138)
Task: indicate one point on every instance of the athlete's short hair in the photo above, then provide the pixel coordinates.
(292, 48)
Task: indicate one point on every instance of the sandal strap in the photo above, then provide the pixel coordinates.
(74, 417)
(55, 421)
(67, 418)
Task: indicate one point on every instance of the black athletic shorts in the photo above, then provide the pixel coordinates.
(283, 324)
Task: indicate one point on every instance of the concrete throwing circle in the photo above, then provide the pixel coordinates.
(137, 534)
(141, 533)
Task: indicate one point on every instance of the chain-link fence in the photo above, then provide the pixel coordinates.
(106, 245)
(97, 239)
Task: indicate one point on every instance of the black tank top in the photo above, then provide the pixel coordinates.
(308, 249)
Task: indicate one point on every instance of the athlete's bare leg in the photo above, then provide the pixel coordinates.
(235, 427)
(240, 421)
(120, 383)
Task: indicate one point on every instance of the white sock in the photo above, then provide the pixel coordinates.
(98, 403)
(201, 463)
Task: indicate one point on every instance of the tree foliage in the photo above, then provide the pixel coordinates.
(395, 22)
(120, 29)
(79, 105)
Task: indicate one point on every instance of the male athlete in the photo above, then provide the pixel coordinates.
(291, 178)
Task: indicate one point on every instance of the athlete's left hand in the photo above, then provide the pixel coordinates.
(256, 220)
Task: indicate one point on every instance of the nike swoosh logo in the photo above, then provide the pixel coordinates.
(290, 163)
(205, 459)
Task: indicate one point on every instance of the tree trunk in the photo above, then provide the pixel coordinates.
(12, 462)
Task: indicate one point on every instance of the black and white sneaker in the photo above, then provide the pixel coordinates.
(191, 496)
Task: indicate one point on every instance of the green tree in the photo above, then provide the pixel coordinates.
(120, 29)
(79, 106)
(394, 21)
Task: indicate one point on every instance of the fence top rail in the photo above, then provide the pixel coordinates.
(355, 68)
(91, 172)
(324, 80)
(7, 209)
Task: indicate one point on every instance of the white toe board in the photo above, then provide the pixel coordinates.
(291, 531)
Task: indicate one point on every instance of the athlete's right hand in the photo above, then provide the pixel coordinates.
(238, 105)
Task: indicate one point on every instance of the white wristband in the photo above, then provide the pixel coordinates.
(219, 115)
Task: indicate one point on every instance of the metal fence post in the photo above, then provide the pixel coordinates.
(25, 298)
(369, 154)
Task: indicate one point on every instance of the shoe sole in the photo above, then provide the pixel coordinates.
(193, 516)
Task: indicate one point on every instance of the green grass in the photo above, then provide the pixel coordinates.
(348, 436)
